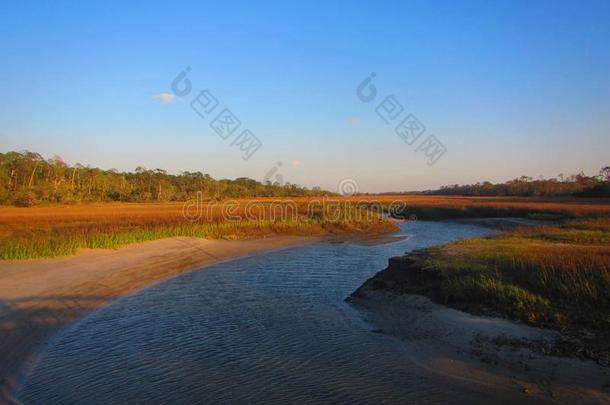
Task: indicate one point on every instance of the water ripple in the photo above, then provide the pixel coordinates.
(270, 328)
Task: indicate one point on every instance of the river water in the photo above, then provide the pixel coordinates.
(269, 328)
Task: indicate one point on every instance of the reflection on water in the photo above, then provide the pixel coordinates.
(267, 328)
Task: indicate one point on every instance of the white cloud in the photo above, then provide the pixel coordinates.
(354, 120)
(164, 98)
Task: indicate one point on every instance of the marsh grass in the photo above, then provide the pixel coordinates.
(549, 275)
(52, 231)
(452, 207)
(55, 231)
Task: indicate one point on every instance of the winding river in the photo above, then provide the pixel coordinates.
(267, 328)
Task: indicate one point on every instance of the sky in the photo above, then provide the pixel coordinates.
(501, 89)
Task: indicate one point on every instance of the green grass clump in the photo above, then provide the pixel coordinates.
(548, 275)
(67, 238)
(495, 294)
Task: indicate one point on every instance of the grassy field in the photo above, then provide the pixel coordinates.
(38, 232)
(62, 230)
(554, 275)
(448, 207)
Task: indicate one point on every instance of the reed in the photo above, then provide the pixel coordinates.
(58, 231)
(548, 275)
(50, 231)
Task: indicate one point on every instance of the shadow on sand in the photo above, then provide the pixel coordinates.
(26, 323)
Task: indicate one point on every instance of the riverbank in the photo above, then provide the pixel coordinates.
(553, 279)
(477, 350)
(40, 296)
(55, 231)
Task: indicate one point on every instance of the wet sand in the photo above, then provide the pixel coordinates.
(38, 297)
(464, 347)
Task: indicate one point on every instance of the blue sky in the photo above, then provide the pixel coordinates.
(510, 88)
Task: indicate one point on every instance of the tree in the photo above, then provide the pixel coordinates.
(26, 178)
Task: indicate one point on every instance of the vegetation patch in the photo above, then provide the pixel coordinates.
(548, 276)
(27, 233)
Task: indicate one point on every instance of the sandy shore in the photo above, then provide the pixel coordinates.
(465, 348)
(37, 297)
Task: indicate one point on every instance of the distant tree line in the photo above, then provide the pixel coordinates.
(26, 179)
(577, 185)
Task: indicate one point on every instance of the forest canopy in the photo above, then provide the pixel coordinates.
(26, 179)
(575, 185)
